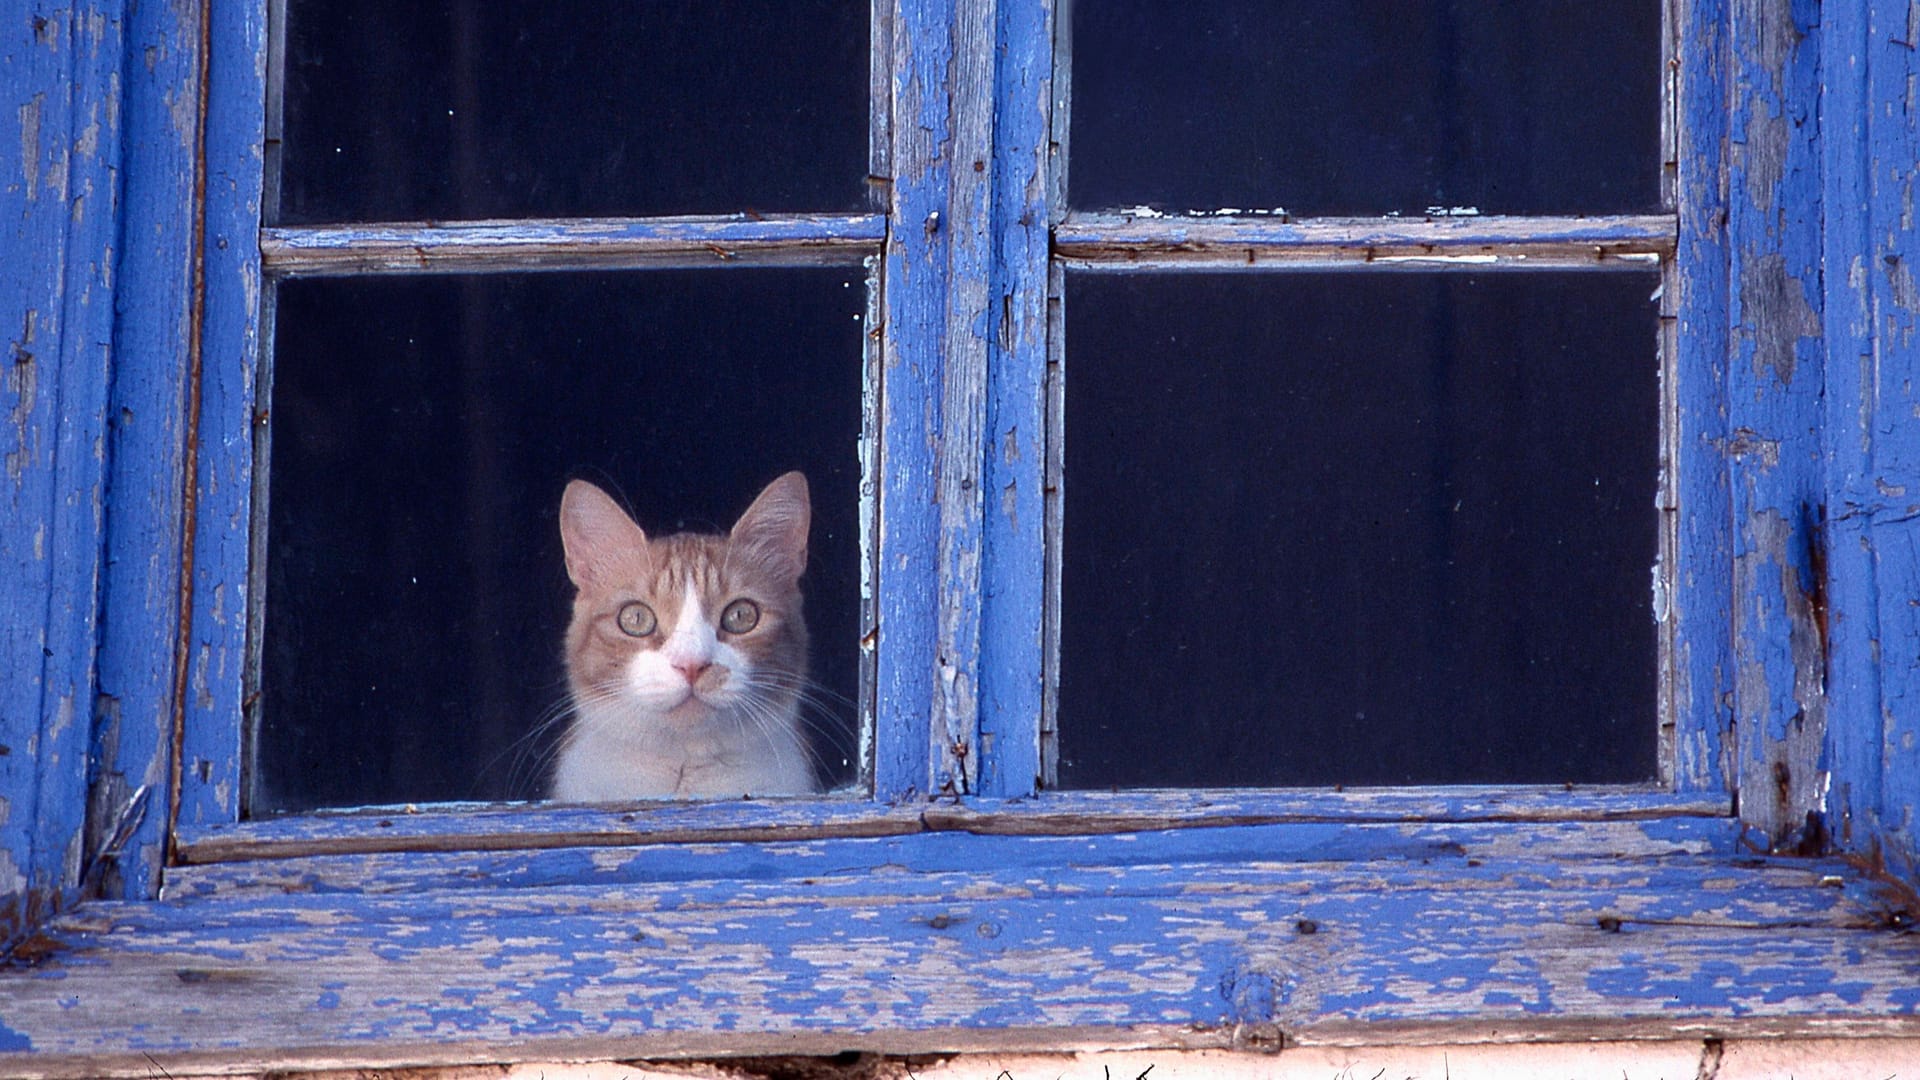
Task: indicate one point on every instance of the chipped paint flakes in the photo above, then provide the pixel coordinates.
(1775, 315)
(1765, 155)
(29, 115)
(22, 380)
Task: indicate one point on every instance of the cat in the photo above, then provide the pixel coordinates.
(686, 655)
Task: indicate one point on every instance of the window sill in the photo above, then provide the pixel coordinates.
(494, 827)
(1241, 936)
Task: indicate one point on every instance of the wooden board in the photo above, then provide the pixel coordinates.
(916, 956)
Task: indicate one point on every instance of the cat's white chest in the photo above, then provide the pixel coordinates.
(604, 763)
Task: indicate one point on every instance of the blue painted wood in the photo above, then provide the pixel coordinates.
(970, 230)
(1774, 382)
(1633, 844)
(1013, 578)
(1701, 608)
(1847, 428)
(1170, 955)
(1893, 501)
(235, 131)
(62, 110)
(150, 409)
(411, 248)
(912, 420)
(525, 826)
(1152, 235)
(1871, 435)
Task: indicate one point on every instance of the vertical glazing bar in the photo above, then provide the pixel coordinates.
(912, 376)
(1054, 389)
(879, 195)
(1700, 609)
(274, 90)
(1055, 473)
(1012, 639)
(872, 354)
(1666, 499)
(260, 430)
(970, 318)
(879, 102)
(230, 310)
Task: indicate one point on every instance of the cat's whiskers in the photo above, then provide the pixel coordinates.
(816, 708)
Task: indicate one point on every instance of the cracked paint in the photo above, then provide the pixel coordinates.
(1775, 314)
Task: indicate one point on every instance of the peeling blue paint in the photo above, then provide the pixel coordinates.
(1794, 392)
(12, 1041)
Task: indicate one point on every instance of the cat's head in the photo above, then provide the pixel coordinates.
(676, 630)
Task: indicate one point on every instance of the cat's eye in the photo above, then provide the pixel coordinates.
(637, 620)
(740, 617)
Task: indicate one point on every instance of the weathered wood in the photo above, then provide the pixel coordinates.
(1871, 421)
(208, 759)
(1076, 813)
(1694, 619)
(1178, 955)
(1227, 240)
(968, 236)
(522, 826)
(573, 244)
(1055, 492)
(913, 377)
(1013, 562)
(58, 208)
(516, 827)
(151, 442)
(1461, 845)
(1774, 380)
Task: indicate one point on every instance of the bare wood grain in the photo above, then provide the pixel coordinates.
(1180, 956)
(1458, 845)
(1231, 241)
(509, 827)
(571, 244)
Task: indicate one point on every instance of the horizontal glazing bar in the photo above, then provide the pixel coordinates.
(570, 244)
(1227, 240)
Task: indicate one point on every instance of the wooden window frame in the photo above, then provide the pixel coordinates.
(1312, 916)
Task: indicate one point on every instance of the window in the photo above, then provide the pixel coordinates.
(1022, 860)
(421, 424)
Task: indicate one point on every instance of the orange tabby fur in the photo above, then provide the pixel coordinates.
(690, 709)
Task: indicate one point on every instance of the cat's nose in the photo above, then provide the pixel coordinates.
(692, 669)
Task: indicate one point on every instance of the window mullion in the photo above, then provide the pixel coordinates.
(231, 315)
(1015, 500)
(933, 397)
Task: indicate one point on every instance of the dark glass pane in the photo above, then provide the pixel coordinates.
(1367, 107)
(423, 430)
(464, 109)
(1359, 529)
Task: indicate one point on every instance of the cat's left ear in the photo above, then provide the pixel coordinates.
(774, 529)
(598, 536)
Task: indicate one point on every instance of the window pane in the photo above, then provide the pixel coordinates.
(464, 109)
(1361, 529)
(1367, 107)
(423, 431)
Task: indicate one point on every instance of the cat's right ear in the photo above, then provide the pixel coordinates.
(596, 534)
